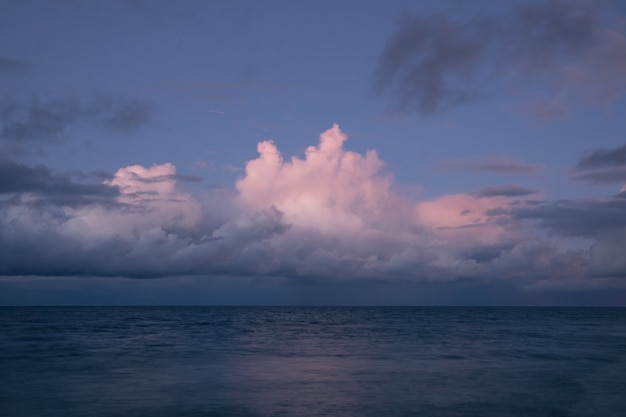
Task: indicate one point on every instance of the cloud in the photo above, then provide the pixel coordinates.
(586, 218)
(154, 194)
(603, 166)
(36, 121)
(331, 214)
(120, 115)
(601, 157)
(345, 220)
(542, 33)
(343, 214)
(600, 220)
(433, 63)
(547, 109)
(132, 233)
(13, 66)
(468, 227)
(607, 255)
(331, 189)
(509, 190)
(47, 120)
(429, 64)
(604, 175)
(18, 178)
(499, 164)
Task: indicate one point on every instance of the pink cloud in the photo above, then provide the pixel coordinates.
(149, 199)
(462, 219)
(135, 179)
(346, 220)
(330, 189)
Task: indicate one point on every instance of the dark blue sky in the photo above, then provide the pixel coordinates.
(243, 152)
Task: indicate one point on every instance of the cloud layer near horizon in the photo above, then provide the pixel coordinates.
(332, 214)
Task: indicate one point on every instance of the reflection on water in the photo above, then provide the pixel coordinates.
(312, 361)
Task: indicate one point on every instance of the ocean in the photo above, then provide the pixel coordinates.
(312, 361)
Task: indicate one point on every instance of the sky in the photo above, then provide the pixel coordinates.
(312, 152)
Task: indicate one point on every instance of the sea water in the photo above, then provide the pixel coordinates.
(312, 361)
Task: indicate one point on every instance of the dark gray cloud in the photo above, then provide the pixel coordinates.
(14, 66)
(434, 62)
(430, 63)
(541, 34)
(37, 121)
(578, 218)
(604, 175)
(602, 158)
(498, 211)
(509, 190)
(603, 166)
(40, 120)
(120, 115)
(487, 253)
(602, 221)
(498, 164)
(165, 178)
(17, 178)
(42, 241)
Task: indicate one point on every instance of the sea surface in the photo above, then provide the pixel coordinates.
(312, 361)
